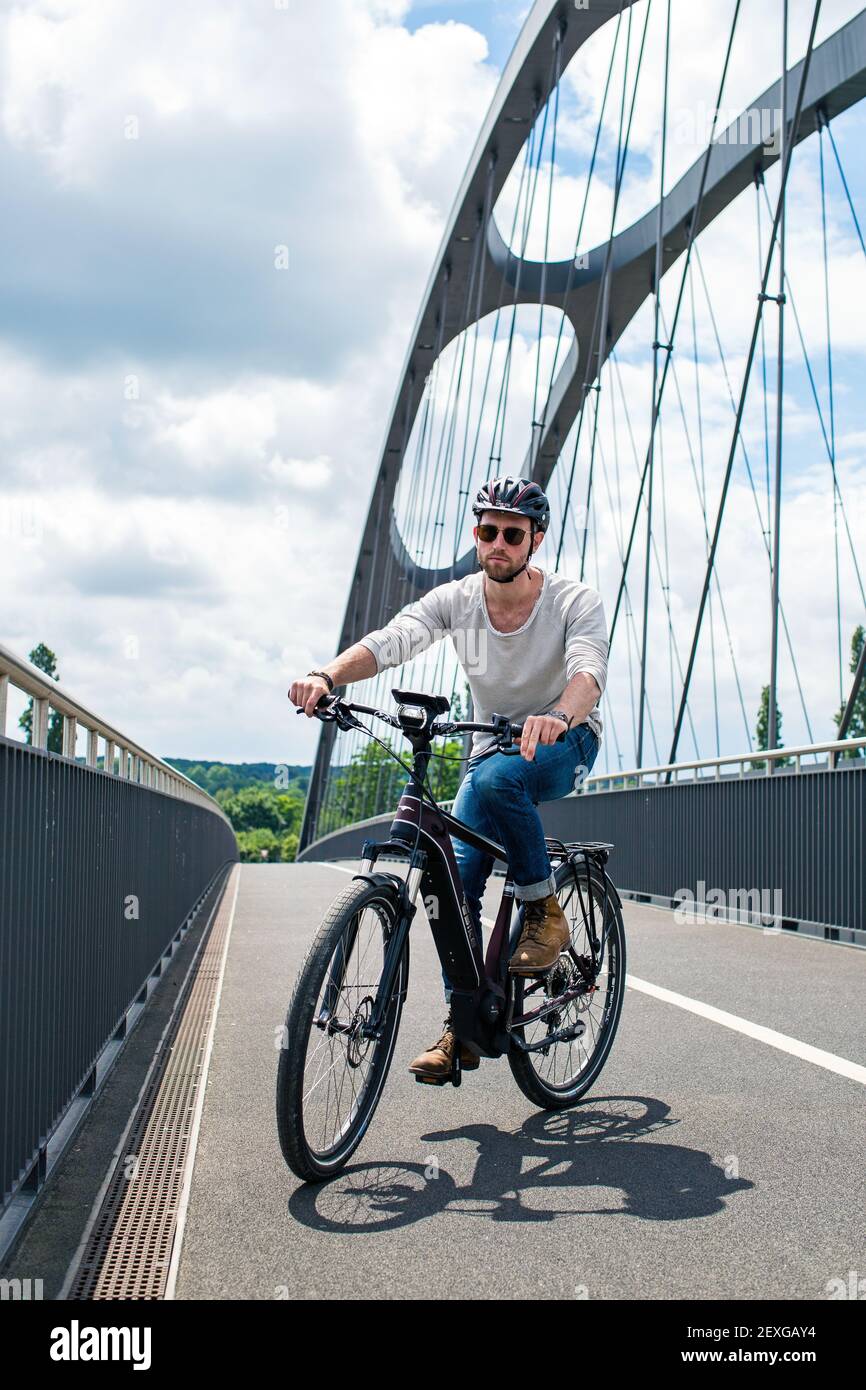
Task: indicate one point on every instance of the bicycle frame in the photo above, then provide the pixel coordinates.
(481, 1003)
(480, 1010)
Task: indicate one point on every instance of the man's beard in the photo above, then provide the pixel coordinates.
(501, 569)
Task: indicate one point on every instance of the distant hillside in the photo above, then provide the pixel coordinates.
(214, 776)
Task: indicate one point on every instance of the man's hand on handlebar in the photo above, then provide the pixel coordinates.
(307, 692)
(313, 698)
(540, 728)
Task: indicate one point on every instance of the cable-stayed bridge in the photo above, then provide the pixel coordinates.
(647, 301)
(640, 380)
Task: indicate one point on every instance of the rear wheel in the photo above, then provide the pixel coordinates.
(560, 1072)
(331, 1071)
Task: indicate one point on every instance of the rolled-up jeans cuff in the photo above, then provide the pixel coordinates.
(542, 889)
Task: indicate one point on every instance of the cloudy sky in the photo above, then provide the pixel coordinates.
(219, 223)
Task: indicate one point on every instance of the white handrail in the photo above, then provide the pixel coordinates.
(767, 756)
(146, 769)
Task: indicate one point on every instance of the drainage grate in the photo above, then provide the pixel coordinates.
(129, 1250)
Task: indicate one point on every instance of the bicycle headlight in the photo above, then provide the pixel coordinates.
(412, 714)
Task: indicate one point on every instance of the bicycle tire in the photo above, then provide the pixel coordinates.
(308, 1162)
(542, 1092)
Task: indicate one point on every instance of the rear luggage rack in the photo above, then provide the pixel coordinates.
(561, 849)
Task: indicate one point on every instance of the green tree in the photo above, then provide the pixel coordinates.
(289, 847)
(446, 771)
(291, 808)
(762, 730)
(369, 784)
(264, 819)
(215, 778)
(44, 658)
(373, 782)
(253, 808)
(259, 846)
(857, 726)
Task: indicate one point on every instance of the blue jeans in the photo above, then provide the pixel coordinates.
(498, 797)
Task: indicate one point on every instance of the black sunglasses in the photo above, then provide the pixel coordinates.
(512, 535)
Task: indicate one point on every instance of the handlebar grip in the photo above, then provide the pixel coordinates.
(517, 733)
(324, 700)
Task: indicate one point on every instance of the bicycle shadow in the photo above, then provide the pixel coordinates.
(587, 1148)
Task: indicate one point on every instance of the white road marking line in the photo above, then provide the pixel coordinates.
(324, 864)
(782, 1041)
(828, 1060)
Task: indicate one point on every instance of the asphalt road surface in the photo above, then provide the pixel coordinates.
(710, 1161)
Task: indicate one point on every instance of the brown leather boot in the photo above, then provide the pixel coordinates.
(545, 933)
(435, 1063)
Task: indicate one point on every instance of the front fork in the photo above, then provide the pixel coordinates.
(407, 891)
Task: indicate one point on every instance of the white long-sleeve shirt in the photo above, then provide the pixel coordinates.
(510, 673)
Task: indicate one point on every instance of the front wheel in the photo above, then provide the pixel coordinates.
(331, 1070)
(557, 1073)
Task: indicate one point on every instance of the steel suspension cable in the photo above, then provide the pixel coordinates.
(654, 413)
(502, 401)
(830, 402)
(837, 485)
(694, 224)
(759, 184)
(467, 464)
(700, 488)
(600, 294)
(598, 333)
(786, 164)
(535, 424)
(553, 84)
(749, 474)
(498, 313)
(672, 640)
(574, 258)
(847, 190)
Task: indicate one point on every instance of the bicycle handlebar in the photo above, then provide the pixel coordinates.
(331, 707)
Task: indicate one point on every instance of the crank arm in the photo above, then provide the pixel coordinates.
(569, 1034)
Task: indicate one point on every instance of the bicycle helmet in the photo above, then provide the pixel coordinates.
(509, 494)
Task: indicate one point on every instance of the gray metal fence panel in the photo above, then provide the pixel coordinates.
(801, 833)
(97, 874)
(804, 835)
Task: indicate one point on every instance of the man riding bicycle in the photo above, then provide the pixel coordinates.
(538, 657)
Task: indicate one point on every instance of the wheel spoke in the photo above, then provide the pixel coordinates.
(561, 1066)
(341, 1069)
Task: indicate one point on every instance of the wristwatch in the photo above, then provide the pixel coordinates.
(560, 714)
(325, 677)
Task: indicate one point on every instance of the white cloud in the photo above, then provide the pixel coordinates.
(189, 436)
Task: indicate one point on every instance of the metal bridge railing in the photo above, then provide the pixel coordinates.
(133, 763)
(748, 764)
(101, 874)
(791, 842)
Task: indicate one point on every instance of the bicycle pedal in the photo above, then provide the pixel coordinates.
(432, 1080)
(534, 974)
